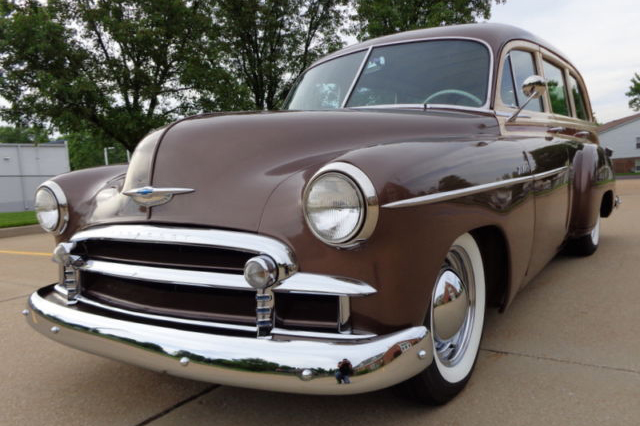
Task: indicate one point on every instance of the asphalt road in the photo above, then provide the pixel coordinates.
(567, 352)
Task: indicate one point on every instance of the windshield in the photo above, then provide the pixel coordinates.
(452, 72)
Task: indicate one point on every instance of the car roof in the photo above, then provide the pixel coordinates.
(495, 35)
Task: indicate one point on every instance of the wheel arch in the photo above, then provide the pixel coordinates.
(497, 263)
(607, 204)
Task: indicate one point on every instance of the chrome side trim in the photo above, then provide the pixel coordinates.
(298, 283)
(300, 366)
(457, 193)
(476, 189)
(251, 243)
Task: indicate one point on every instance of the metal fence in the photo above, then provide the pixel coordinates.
(25, 166)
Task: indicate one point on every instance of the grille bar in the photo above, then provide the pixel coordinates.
(303, 283)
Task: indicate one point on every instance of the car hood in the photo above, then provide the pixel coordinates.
(235, 161)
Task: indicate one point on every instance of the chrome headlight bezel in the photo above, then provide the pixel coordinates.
(368, 198)
(57, 193)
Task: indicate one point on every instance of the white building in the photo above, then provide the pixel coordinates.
(623, 138)
(23, 167)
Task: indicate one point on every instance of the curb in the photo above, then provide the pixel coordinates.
(18, 231)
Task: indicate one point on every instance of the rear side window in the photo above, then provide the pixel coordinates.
(557, 89)
(523, 66)
(578, 98)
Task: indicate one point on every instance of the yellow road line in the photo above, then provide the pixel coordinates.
(26, 253)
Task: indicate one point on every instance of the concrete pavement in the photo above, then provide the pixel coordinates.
(567, 352)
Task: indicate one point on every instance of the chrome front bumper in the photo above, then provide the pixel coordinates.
(287, 365)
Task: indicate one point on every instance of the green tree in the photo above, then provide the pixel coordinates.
(112, 68)
(268, 43)
(85, 152)
(634, 93)
(376, 18)
(10, 134)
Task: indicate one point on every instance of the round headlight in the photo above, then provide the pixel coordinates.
(50, 207)
(340, 205)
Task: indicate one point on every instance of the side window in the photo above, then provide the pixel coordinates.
(578, 98)
(507, 88)
(524, 66)
(557, 89)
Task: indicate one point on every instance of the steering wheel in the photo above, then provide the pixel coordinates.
(462, 93)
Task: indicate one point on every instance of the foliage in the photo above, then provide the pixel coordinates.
(115, 68)
(634, 93)
(269, 43)
(23, 135)
(85, 152)
(376, 18)
(17, 219)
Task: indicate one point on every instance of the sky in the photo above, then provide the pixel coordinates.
(601, 39)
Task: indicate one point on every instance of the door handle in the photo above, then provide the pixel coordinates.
(581, 134)
(556, 130)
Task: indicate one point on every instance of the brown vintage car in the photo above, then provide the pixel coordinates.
(348, 243)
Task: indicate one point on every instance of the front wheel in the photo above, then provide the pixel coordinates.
(455, 320)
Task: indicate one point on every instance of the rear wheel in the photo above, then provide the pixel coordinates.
(455, 320)
(587, 244)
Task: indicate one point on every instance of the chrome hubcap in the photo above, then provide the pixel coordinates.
(453, 307)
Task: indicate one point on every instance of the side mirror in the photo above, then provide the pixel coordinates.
(533, 87)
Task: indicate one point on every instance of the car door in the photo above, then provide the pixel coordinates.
(545, 144)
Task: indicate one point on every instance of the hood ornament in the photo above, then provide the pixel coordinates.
(149, 196)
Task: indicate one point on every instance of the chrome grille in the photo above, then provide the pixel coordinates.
(195, 276)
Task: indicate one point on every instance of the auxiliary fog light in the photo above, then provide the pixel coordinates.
(261, 272)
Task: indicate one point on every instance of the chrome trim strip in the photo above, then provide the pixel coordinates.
(167, 275)
(304, 282)
(298, 283)
(429, 107)
(300, 366)
(476, 189)
(251, 243)
(319, 335)
(457, 193)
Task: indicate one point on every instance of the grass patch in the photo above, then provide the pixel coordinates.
(8, 220)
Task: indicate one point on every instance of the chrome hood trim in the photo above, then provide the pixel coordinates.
(149, 196)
